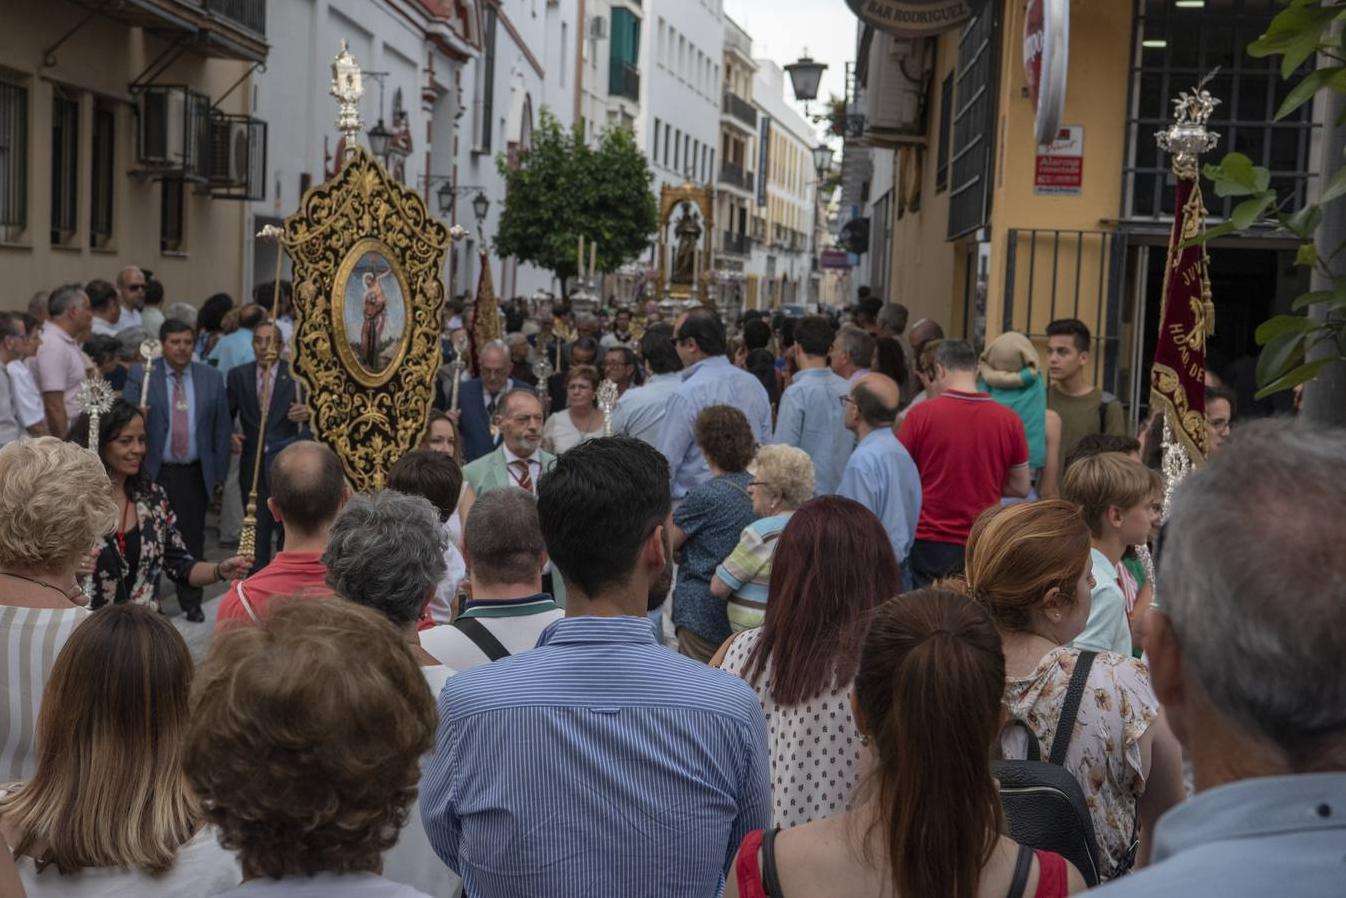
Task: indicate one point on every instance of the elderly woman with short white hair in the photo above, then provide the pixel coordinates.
(782, 481)
(54, 505)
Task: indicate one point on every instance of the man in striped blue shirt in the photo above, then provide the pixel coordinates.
(599, 763)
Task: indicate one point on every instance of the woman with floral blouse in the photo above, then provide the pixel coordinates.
(126, 565)
(1028, 564)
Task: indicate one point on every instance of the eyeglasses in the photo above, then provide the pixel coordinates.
(845, 399)
(135, 286)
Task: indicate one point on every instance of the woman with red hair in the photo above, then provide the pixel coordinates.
(833, 566)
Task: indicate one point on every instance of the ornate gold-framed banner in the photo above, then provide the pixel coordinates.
(692, 232)
(368, 256)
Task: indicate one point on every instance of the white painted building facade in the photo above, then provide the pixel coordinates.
(785, 207)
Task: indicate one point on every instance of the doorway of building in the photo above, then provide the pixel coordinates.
(1248, 286)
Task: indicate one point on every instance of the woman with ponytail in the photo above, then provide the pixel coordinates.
(1029, 566)
(926, 820)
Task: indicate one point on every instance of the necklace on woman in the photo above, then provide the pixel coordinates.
(43, 583)
(122, 525)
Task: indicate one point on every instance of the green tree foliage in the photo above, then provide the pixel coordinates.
(1306, 29)
(564, 189)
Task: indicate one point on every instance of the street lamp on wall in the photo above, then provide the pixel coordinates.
(379, 139)
(444, 197)
(480, 206)
(822, 160)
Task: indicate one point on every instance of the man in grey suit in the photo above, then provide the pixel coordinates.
(519, 460)
(188, 428)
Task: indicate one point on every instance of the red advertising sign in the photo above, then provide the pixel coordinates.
(1059, 169)
(834, 258)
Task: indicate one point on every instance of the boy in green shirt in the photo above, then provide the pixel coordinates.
(1084, 408)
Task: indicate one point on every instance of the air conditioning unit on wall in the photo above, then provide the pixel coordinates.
(598, 28)
(895, 96)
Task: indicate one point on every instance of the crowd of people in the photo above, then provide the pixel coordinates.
(826, 591)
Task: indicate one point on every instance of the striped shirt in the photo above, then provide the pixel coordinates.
(515, 623)
(600, 763)
(30, 639)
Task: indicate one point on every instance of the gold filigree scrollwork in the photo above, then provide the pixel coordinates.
(367, 262)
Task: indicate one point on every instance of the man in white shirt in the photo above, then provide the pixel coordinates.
(106, 308)
(131, 292)
(508, 609)
(852, 353)
(18, 343)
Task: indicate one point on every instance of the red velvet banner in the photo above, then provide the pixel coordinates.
(1186, 319)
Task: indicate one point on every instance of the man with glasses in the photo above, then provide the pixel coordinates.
(131, 293)
(619, 366)
(20, 341)
(880, 474)
(708, 378)
(479, 400)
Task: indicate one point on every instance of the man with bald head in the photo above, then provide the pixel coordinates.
(308, 490)
(131, 294)
(922, 332)
(880, 473)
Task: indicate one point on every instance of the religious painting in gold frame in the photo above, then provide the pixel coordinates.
(368, 257)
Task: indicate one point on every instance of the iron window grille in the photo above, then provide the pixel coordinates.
(1175, 47)
(13, 159)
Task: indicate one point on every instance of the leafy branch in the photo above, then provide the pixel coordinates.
(1305, 29)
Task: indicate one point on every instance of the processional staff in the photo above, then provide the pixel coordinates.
(266, 363)
(1187, 316)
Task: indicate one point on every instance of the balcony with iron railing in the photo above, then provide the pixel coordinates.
(738, 108)
(736, 244)
(251, 14)
(734, 175)
(624, 80)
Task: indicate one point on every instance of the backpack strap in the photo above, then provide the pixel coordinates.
(1066, 725)
(1034, 748)
(770, 879)
(481, 637)
(1023, 865)
(1105, 399)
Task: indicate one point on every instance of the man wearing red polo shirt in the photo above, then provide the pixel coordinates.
(970, 452)
(308, 489)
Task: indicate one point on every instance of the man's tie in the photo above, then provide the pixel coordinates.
(490, 406)
(180, 438)
(521, 476)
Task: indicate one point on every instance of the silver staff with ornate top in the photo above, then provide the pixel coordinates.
(607, 402)
(150, 350)
(95, 398)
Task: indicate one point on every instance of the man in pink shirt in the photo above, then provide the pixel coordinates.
(308, 489)
(59, 366)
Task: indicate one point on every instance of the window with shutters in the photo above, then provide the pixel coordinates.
(13, 158)
(103, 164)
(64, 166)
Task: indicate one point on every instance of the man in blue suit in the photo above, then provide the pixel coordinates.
(285, 423)
(188, 427)
(479, 399)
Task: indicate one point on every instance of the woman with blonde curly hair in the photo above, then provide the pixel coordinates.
(54, 505)
(782, 481)
(305, 746)
(1029, 565)
(109, 812)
